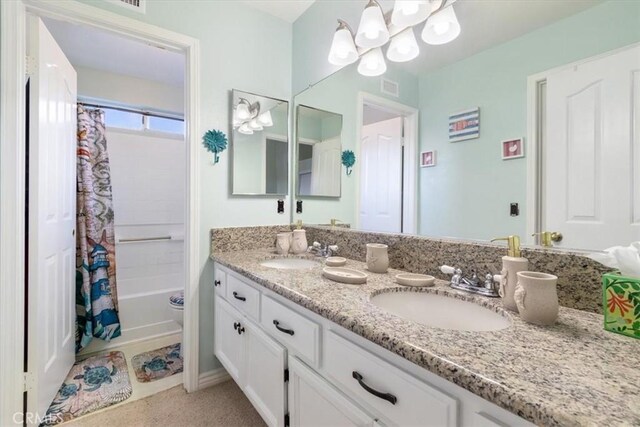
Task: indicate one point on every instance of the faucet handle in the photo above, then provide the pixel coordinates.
(447, 269)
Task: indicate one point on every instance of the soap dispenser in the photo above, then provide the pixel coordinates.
(511, 265)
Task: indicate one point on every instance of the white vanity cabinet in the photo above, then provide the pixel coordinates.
(298, 368)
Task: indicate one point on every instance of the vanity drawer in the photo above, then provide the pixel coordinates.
(299, 334)
(243, 297)
(219, 280)
(378, 384)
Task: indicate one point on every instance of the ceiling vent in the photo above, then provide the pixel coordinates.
(389, 87)
(137, 5)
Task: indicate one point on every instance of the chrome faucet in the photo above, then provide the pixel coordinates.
(323, 250)
(472, 284)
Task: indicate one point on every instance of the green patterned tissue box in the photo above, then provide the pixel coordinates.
(621, 298)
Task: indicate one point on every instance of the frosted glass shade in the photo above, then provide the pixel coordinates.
(343, 49)
(407, 13)
(372, 63)
(372, 31)
(242, 111)
(245, 129)
(254, 125)
(265, 119)
(403, 47)
(441, 27)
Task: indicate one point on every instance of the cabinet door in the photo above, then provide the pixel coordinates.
(264, 385)
(228, 343)
(315, 402)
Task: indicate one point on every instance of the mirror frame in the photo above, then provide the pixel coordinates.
(296, 169)
(232, 147)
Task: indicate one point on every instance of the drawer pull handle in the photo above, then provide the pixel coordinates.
(236, 325)
(386, 396)
(235, 295)
(240, 329)
(217, 283)
(286, 331)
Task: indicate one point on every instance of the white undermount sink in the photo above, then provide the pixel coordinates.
(289, 263)
(439, 311)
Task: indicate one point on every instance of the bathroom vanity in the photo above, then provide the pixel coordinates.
(309, 351)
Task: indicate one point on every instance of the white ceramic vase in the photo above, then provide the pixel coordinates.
(536, 296)
(377, 258)
(283, 242)
(299, 242)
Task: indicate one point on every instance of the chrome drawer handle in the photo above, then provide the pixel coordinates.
(281, 329)
(386, 396)
(235, 295)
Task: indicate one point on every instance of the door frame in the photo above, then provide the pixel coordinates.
(12, 173)
(535, 145)
(410, 160)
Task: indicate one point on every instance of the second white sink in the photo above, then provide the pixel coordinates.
(440, 311)
(289, 263)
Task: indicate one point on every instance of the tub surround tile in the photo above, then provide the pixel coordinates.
(573, 373)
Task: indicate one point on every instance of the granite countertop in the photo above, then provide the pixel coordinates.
(573, 373)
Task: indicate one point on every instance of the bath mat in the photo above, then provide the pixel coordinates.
(157, 364)
(93, 383)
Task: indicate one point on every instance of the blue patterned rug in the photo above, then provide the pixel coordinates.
(157, 364)
(93, 383)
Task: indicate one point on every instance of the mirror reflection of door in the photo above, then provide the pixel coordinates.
(381, 171)
(592, 152)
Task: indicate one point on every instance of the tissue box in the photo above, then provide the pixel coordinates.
(621, 299)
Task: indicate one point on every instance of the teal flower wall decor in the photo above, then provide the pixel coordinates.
(348, 159)
(215, 141)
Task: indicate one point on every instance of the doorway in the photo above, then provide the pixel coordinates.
(386, 190)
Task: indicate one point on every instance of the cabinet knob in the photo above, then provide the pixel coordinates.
(217, 283)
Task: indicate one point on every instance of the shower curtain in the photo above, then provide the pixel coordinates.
(96, 290)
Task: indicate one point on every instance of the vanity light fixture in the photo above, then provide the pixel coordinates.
(254, 125)
(377, 28)
(343, 49)
(372, 63)
(441, 27)
(403, 47)
(247, 117)
(245, 129)
(243, 110)
(372, 31)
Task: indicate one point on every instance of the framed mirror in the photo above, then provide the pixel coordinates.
(318, 152)
(260, 145)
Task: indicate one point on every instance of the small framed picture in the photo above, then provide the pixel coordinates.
(512, 149)
(428, 159)
(464, 125)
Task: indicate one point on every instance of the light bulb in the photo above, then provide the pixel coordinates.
(343, 50)
(372, 63)
(403, 47)
(441, 27)
(407, 13)
(242, 110)
(372, 31)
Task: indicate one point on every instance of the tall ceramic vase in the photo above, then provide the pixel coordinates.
(536, 296)
(377, 258)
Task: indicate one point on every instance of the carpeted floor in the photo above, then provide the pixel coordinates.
(220, 405)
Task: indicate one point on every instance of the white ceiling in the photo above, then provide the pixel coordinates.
(101, 50)
(288, 10)
(487, 23)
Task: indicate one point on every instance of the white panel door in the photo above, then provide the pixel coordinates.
(381, 176)
(265, 362)
(52, 218)
(326, 167)
(592, 156)
(313, 402)
(228, 343)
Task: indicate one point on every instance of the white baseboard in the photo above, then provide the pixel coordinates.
(211, 378)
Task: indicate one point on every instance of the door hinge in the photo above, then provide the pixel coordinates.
(286, 420)
(30, 65)
(286, 375)
(29, 381)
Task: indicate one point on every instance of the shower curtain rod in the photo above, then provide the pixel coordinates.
(134, 110)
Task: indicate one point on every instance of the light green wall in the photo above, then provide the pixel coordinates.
(468, 193)
(339, 94)
(241, 48)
